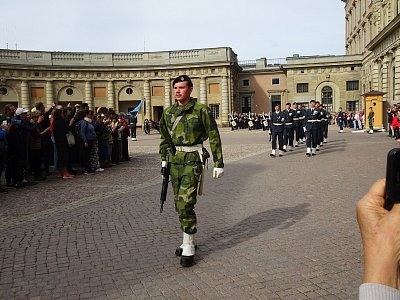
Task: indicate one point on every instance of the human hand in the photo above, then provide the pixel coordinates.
(218, 172)
(86, 145)
(380, 233)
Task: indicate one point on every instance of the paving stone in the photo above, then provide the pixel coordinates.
(271, 228)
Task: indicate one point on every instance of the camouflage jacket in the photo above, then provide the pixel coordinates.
(195, 127)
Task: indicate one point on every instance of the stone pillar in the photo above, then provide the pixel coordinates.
(24, 95)
(203, 90)
(147, 98)
(225, 101)
(375, 75)
(89, 95)
(397, 76)
(167, 92)
(49, 94)
(385, 81)
(110, 95)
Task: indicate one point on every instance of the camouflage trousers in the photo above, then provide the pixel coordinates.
(185, 178)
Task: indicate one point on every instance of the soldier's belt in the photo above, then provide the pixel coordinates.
(288, 123)
(192, 148)
(318, 120)
(296, 119)
(277, 124)
(302, 118)
(312, 121)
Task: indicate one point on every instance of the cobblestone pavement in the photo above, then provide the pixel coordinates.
(271, 228)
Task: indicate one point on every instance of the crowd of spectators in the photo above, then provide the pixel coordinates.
(72, 139)
(353, 120)
(394, 121)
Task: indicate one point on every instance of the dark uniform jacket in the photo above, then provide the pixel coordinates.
(288, 116)
(312, 117)
(277, 119)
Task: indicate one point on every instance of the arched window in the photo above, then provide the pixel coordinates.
(327, 98)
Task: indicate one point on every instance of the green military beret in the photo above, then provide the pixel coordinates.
(183, 78)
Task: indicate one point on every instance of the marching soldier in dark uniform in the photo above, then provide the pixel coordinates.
(276, 127)
(325, 123)
(288, 131)
(312, 116)
(302, 120)
(341, 116)
(297, 124)
(320, 134)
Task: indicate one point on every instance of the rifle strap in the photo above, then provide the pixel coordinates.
(174, 125)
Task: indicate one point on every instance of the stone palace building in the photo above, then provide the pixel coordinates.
(121, 80)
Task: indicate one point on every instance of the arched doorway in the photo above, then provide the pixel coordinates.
(326, 98)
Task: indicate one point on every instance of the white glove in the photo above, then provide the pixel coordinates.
(304, 128)
(164, 164)
(218, 172)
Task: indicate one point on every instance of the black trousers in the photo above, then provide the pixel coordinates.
(297, 131)
(133, 130)
(278, 135)
(326, 124)
(312, 136)
(288, 136)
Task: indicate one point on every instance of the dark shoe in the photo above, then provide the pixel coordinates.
(3, 190)
(187, 261)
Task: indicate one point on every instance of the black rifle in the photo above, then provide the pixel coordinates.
(165, 176)
(164, 189)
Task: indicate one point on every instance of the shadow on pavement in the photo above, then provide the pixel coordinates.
(281, 218)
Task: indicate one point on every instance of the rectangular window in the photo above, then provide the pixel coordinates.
(157, 91)
(352, 85)
(214, 109)
(99, 92)
(246, 82)
(275, 81)
(213, 88)
(302, 87)
(352, 105)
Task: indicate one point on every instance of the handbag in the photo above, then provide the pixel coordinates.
(70, 138)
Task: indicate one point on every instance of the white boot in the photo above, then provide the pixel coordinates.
(296, 144)
(284, 148)
(325, 141)
(290, 148)
(340, 131)
(317, 148)
(371, 131)
(308, 153)
(273, 153)
(188, 250)
(314, 151)
(280, 153)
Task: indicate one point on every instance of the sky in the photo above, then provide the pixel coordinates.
(252, 28)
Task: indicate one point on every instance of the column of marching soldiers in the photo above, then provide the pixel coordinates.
(291, 127)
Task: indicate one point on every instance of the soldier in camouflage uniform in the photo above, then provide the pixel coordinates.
(185, 126)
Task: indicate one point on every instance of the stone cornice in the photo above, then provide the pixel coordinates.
(387, 31)
(83, 60)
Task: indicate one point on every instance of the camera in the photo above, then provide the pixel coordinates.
(392, 189)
